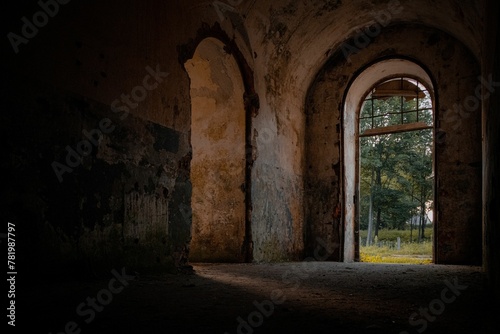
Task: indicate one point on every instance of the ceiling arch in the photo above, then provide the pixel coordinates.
(299, 38)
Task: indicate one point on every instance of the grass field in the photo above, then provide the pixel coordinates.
(384, 250)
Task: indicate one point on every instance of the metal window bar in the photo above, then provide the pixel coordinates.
(418, 88)
(371, 114)
(402, 101)
(401, 112)
(397, 113)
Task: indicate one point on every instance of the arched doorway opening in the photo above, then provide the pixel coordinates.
(395, 171)
(218, 161)
(362, 85)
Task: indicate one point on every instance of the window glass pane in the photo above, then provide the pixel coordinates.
(378, 122)
(410, 104)
(394, 119)
(378, 107)
(391, 105)
(365, 124)
(426, 116)
(410, 117)
(425, 103)
(366, 109)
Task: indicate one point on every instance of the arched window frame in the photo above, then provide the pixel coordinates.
(401, 93)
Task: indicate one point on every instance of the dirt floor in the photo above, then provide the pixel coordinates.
(303, 297)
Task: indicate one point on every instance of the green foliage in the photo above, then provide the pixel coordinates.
(385, 250)
(396, 168)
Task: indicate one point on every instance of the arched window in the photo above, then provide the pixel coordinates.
(396, 105)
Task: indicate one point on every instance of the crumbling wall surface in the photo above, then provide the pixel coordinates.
(120, 199)
(296, 38)
(218, 163)
(457, 144)
(291, 41)
(88, 190)
(275, 140)
(323, 178)
(277, 179)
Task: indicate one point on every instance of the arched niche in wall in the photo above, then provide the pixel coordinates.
(218, 162)
(356, 93)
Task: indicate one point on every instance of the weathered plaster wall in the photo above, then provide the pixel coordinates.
(116, 206)
(294, 39)
(323, 181)
(276, 140)
(277, 215)
(218, 163)
(128, 203)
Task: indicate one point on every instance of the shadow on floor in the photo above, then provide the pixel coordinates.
(303, 297)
